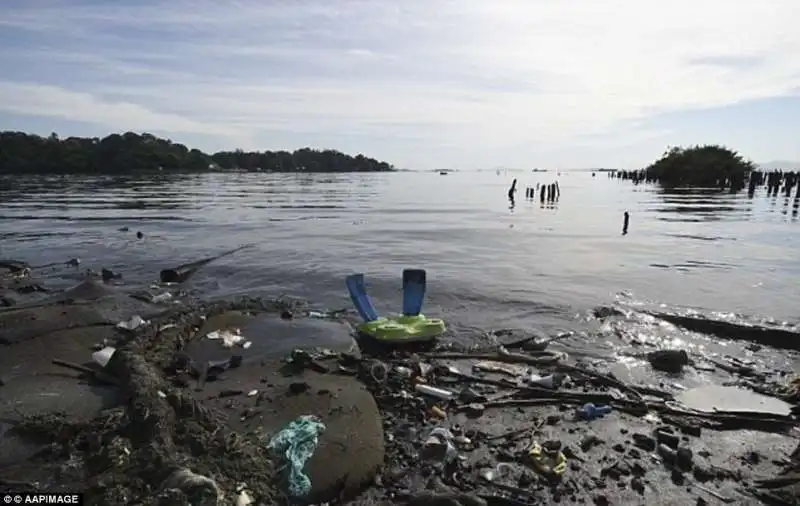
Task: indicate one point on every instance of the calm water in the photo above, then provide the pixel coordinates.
(488, 265)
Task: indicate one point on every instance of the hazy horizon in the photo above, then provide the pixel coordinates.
(429, 85)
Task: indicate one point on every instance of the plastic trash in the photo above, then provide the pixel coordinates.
(439, 445)
(591, 411)
(499, 367)
(501, 470)
(552, 381)
(548, 459)
(244, 499)
(379, 372)
(229, 338)
(102, 357)
(434, 391)
(133, 323)
(403, 371)
(296, 443)
(188, 482)
(438, 413)
(162, 297)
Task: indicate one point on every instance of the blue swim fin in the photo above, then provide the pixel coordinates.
(358, 294)
(413, 291)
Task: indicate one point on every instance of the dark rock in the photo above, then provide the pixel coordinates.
(589, 441)
(624, 468)
(619, 448)
(677, 477)
(752, 457)
(637, 485)
(601, 500)
(612, 471)
(684, 459)
(667, 453)
(702, 473)
(667, 439)
(638, 470)
(298, 387)
(474, 409)
(644, 442)
(469, 396)
(109, 275)
(526, 479)
(671, 361)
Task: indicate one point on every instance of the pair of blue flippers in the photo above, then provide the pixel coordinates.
(413, 294)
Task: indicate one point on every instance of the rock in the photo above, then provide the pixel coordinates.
(702, 473)
(589, 441)
(684, 459)
(644, 442)
(671, 361)
(667, 439)
(350, 451)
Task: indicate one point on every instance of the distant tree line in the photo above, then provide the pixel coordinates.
(131, 152)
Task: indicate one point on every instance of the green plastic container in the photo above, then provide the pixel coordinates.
(399, 329)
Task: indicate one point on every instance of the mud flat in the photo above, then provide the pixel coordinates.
(119, 434)
(176, 416)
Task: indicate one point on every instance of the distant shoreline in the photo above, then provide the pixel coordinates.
(23, 153)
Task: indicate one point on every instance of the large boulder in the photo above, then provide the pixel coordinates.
(350, 451)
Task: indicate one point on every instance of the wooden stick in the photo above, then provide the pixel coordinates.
(99, 375)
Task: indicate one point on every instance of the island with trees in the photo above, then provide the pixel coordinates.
(710, 166)
(23, 153)
(707, 166)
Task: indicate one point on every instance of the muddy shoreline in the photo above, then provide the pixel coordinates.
(131, 434)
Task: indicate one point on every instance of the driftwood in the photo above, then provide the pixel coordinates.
(95, 373)
(182, 273)
(545, 358)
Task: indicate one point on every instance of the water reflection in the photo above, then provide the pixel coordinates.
(697, 205)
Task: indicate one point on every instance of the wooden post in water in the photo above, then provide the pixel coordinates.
(626, 218)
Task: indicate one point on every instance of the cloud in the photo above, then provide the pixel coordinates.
(487, 75)
(44, 100)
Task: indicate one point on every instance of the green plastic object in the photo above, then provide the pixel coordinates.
(403, 328)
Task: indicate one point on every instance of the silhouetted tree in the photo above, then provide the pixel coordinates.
(707, 166)
(131, 152)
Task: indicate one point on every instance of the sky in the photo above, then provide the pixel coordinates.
(422, 84)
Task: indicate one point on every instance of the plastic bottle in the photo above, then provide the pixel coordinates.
(433, 391)
(590, 411)
(553, 381)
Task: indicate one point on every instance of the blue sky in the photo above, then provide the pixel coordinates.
(420, 83)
